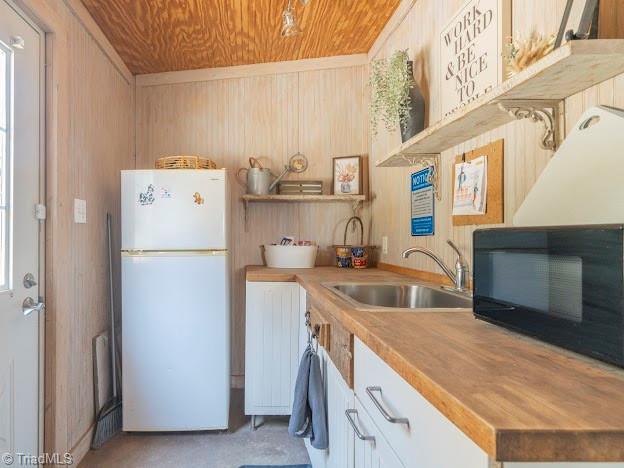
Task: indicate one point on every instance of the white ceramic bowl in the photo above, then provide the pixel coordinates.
(290, 256)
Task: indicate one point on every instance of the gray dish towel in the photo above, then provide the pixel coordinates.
(309, 414)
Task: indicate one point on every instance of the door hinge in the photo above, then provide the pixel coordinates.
(40, 211)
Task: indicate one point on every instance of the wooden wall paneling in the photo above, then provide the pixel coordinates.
(101, 143)
(271, 116)
(524, 159)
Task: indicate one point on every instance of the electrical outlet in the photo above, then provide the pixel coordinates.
(80, 211)
(384, 245)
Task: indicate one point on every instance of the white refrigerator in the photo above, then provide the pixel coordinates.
(175, 300)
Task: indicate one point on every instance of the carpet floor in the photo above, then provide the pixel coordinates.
(269, 445)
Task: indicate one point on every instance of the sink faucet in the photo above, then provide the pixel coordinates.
(461, 266)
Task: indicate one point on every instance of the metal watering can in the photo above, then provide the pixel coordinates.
(258, 180)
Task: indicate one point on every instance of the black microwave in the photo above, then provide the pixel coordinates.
(561, 285)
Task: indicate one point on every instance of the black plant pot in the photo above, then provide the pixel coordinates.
(415, 122)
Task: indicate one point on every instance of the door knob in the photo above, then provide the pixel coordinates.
(29, 306)
(29, 281)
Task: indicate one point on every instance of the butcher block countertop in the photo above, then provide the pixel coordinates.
(518, 399)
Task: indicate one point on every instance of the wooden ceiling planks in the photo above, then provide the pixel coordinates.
(169, 35)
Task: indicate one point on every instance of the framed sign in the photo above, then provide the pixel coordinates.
(423, 203)
(471, 49)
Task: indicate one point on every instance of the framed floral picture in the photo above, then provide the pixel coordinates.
(348, 178)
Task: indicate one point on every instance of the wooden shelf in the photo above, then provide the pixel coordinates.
(356, 200)
(303, 198)
(572, 68)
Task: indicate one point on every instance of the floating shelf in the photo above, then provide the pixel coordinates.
(356, 200)
(537, 93)
(304, 198)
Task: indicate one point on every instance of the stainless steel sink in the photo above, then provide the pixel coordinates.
(385, 296)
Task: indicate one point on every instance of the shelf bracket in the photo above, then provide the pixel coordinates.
(426, 160)
(547, 112)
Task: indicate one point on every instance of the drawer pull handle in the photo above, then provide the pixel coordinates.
(358, 434)
(382, 410)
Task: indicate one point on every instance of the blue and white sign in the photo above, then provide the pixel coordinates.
(423, 220)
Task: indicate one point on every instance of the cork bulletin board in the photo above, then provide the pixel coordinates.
(495, 205)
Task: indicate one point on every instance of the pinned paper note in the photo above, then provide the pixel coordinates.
(470, 187)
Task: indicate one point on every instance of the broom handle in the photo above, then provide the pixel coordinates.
(112, 305)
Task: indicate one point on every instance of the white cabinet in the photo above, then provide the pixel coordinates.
(271, 347)
(419, 434)
(371, 448)
(340, 398)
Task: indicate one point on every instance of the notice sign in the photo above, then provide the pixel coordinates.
(471, 48)
(422, 203)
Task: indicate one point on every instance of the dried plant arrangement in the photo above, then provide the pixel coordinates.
(520, 53)
(390, 84)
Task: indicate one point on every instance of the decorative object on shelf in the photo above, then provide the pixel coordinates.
(494, 203)
(520, 53)
(414, 122)
(580, 21)
(423, 202)
(258, 180)
(290, 27)
(471, 49)
(300, 187)
(353, 256)
(184, 162)
(395, 96)
(297, 164)
(348, 175)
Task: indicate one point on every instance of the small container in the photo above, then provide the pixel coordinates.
(352, 256)
(343, 256)
(360, 262)
(290, 256)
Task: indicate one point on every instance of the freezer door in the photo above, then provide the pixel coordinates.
(176, 342)
(174, 209)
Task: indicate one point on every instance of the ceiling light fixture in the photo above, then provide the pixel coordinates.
(289, 20)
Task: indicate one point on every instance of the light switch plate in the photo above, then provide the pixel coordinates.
(384, 245)
(80, 211)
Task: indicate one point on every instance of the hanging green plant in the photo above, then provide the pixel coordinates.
(390, 84)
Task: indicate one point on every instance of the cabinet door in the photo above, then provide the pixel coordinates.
(374, 451)
(271, 347)
(339, 399)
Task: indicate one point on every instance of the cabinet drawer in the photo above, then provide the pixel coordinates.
(372, 450)
(419, 433)
(337, 341)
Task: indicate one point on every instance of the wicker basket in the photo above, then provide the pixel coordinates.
(185, 162)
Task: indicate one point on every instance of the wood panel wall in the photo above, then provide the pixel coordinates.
(89, 139)
(321, 113)
(524, 159)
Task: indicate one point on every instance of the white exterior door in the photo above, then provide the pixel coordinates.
(20, 75)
